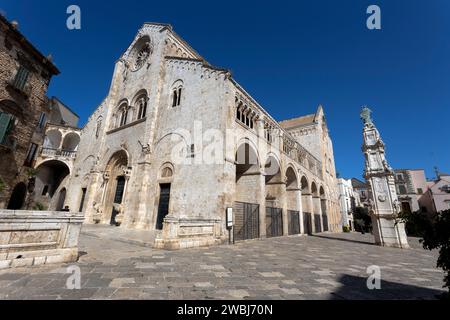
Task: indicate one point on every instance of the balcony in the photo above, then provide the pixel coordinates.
(51, 152)
(60, 143)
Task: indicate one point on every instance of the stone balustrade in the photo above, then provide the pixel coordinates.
(29, 238)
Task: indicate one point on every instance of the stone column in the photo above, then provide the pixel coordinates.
(144, 208)
(284, 206)
(298, 195)
(92, 200)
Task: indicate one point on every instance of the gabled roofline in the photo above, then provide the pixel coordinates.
(66, 106)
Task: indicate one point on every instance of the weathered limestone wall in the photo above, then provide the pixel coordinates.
(29, 238)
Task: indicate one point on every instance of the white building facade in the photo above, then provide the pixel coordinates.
(348, 200)
(177, 142)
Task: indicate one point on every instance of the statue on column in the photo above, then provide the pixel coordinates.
(388, 230)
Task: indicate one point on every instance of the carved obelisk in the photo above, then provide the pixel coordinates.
(384, 206)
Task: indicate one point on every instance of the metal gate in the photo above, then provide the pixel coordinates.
(246, 221)
(325, 222)
(294, 222)
(317, 224)
(274, 222)
(307, 223)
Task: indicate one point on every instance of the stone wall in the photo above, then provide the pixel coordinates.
(26, 106)
(29, 238)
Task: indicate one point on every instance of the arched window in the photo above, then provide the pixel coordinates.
(142, 108)
(177, 90)
(98, 127)
(123, 116)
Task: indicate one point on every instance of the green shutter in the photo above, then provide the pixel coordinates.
(5, 120)
(21, 78)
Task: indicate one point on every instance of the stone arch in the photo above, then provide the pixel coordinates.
(98, 126)
(272, 168)
(323, 207)
(247, 173)
(274, 181)
(322, 192)
(247, 160)
(314, 190)
(50, 175)
(166, 171)
(292, 189)
(88, 164)
(116, 176)
(11, 107)
(176, 93)
(180, 146)
(120, 114)
(53, 139)
(291, 178)
(304, 184)
(247, 140)
(140, 104)
(71, 141)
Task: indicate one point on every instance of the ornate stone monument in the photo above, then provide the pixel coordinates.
(384, 206)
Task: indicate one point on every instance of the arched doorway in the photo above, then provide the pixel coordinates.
(274, 191)
(316, 208)
(306, 205)
(247, 194)
(116, 176)
(61, 199)
(293, 201)
(165, 182)
(323, 206)
(18, 196)
(49, 178)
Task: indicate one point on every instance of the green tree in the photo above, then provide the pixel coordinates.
(362, 219)
(434, 231)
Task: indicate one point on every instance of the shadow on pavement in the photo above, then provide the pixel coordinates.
(355, 288)
(341, 239)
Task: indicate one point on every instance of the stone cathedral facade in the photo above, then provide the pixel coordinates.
(177, 141)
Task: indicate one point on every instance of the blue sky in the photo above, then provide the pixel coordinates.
(291, 56)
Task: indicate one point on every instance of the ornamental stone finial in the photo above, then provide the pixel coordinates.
(366, 116)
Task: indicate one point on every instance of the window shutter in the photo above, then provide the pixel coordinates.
(21, 78)
(5, 121)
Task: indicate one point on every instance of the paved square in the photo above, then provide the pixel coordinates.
(325, 266)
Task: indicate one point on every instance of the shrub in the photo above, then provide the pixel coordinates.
(2, 185)
(39, 206)
(346, 229)
(434, 231)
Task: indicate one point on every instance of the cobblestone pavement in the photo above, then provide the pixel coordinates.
(325, 266)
